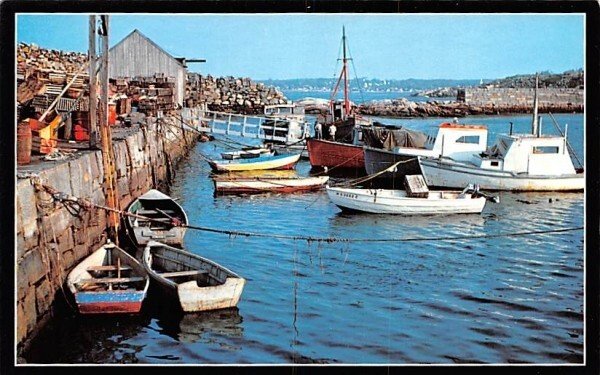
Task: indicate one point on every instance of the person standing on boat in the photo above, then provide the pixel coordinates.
(332, 130)
(318, 130)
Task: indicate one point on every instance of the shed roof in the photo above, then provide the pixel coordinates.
(136, 31)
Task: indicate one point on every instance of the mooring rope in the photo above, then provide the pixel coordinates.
(61, 197)
(360, 180)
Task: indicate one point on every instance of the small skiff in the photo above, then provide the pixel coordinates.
(198, 284)
(166, 215)
(383, 201)
(286, 161)
(249, 153)
(108, 281)
(257, 185)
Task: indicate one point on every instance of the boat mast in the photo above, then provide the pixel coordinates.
(534, 123)
(345, 61)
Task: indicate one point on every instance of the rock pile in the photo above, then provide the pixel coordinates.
(230, 94)
(32, 56)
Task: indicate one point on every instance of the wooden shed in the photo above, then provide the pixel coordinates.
(137, 55)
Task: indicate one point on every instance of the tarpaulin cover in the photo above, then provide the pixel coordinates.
(387, 137)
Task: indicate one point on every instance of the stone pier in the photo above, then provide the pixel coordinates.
(51, 240)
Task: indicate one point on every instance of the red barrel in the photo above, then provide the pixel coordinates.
(23, 143)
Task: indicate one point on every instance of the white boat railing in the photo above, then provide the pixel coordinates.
(246, 126)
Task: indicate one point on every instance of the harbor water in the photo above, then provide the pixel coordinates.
(414, 298)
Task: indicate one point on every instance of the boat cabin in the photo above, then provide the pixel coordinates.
(527, 153)
(460, 142)
(284, 110)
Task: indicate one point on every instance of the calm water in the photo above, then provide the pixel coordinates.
(495, 300)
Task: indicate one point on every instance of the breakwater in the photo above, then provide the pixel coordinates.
(482, 101)
(51, 239)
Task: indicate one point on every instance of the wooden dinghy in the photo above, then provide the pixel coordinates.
(267, 184)
(166, 215)
(286, 161)
(108, 281)
(198, 284)
(385, 201)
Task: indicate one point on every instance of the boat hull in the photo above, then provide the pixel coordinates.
(262, 185)
(377, 160)
(322, 153)
(142, 234)
(261, 163)
(443, 173)
(380, 201)
(88, 283)
(114, 303)
(223, 290)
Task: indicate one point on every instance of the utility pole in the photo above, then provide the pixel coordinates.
(93, 118)
(108, 158)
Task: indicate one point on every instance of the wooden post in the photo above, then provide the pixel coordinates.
(108, 158)
(93, 119)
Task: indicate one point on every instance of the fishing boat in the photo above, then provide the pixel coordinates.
(284, 161)
(156, 216)
(196, 283)
(289, 121)
(460, 142)
(267, 184)
(108, 281)
(344, 150)
(516, 162)
(388, 201)
(247, 153)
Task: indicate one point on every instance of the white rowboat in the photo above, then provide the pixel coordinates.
(198, 284)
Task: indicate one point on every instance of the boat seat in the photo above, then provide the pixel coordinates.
(108, 268)
(183, 273)
(111, 280)
(155, 212)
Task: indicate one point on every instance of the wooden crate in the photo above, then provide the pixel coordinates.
(415, 186)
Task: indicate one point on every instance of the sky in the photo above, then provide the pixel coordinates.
(386, 46)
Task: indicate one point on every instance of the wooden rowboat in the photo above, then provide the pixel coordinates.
(108, 281)
(286, 161)
(384, 201)
(257, 185)
(166, 214)
(198, 284)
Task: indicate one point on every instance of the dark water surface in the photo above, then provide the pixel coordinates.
(492, 300)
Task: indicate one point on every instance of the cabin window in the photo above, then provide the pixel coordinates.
(494, 163)
(545, 150)
(468, 139)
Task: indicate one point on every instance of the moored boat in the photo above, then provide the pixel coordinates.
(156, 216)
(285, 161)
(267, 184)
(388, 201)
(196, 283)
(248, 153)
(108, 281)
(461, 142)
(516, 162)
(323, 153)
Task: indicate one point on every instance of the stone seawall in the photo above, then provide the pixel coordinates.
(51, 240)
(521, 97)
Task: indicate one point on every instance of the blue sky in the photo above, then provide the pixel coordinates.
(307, 46)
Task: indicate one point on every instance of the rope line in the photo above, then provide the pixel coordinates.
(61, 197)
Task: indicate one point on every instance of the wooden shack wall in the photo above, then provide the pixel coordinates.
(137, 56)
